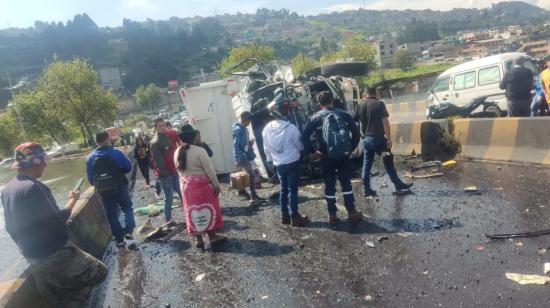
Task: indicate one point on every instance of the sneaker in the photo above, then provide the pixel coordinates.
(403, 186)
(121, 244)
(355, 216)
(369, 193)
(299, 221)
(157, 195)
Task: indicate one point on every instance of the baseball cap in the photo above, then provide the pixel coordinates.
(28, 155)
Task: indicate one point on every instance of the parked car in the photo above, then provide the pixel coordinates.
(57, 150)
(265, 81)
(461, 84)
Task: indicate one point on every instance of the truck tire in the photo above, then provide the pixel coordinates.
(344, 69)
(494, 112)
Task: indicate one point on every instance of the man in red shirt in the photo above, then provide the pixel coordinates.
(163, 146)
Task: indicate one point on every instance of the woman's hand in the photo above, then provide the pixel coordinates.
(217, 190)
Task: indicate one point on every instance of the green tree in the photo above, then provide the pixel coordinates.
(41, 119)
(148, 96)
(302, 64)
(72, 88)
(261, 52)
(10, 135)
(404, 60)
(354, 49)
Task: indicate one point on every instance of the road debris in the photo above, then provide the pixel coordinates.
(517, 235)
(423, 176)
(541, 252)
(200, 277)
(528, 279)
(265, 297)
(426, 165)
(546, 268)
(380, 239)
(519, 244)
(448, 163)
(370, 244)
(264, 236)
(480, 248)
(368, 298)
(145, 227)
(498, 188)
(471, 189)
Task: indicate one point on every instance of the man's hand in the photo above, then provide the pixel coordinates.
(389, 144)
(317, 155)
(72, 199)
(251, 142)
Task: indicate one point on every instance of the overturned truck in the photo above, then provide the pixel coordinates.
(268, 82)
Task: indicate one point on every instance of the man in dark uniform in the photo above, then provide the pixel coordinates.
(518, 83)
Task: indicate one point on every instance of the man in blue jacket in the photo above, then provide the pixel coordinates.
(106, 168)
(243, 153)
(331, 166)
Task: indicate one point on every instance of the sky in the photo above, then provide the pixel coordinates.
(23, 13)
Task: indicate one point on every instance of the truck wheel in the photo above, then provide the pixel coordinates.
(344, 69)
(494, 111)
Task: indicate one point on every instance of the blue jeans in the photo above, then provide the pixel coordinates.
(170, 184)
(157, 185)
(111, 202)
(374, 146)
(344, 168)
(289, 176)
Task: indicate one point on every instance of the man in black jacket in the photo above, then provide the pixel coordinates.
(62, 271)
(518, 83)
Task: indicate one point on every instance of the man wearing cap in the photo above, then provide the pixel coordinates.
(243, 153)
(117, 195)
(282, 146)
(331, 167)
(62, 272)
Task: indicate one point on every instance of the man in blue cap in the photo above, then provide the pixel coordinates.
(62, 272)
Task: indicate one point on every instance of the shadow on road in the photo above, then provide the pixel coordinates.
(254, 248)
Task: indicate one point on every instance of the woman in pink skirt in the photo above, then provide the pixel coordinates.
(200, 189)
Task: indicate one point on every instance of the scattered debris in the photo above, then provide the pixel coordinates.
(200, 277)
(265, 297)
(517, 235)
(519, 244)
(380, 239)
(264, 236)
(405, 234)
(167, 231)
(370, 244)
(426, 165)
(425, 272)
(498, 188)
(368, 298)
(318, 292)
(448, 163)
(471, 189)
(480, 248)
(541, 252)
(384, 185)
(528, 279)
(546, 268)
(145, 227)
(314, 186)
(423, 176)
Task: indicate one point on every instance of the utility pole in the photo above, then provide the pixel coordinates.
(15, 106)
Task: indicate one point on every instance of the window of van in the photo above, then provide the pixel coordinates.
(465, 81)
(488, 75)
(441, 85)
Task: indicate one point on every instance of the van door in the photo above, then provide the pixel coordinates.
(440, 91)
(464, 88)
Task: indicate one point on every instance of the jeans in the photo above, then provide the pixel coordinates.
(158, 187)
(344, 168)
(519, 107)
(170, 184)
(247, 166)
(289, 176)
(111, 201)
(144, 168)
(374, 146)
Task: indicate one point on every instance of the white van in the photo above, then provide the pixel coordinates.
(462, 83)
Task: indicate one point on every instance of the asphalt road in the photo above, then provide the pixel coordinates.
(436, 254)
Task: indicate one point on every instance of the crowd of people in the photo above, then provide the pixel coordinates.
(181, 163)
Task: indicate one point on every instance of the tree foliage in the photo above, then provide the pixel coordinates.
(10, 134)
(72, 89)
(302, 64)
(420, 31)
(148, 96)
(354, 49)
(263, 53)
(404, 60)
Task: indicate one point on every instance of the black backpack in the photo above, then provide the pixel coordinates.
(106, 175)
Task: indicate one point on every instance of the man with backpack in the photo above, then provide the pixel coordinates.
(337, 136)
(106, 168)
(373, 116)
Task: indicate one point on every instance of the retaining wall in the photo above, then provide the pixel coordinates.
(89, 229)
(525, 140)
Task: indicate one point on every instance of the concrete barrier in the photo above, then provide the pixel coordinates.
(525, 140)
(89, 229)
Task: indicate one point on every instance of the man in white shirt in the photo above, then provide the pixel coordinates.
(282, 146)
